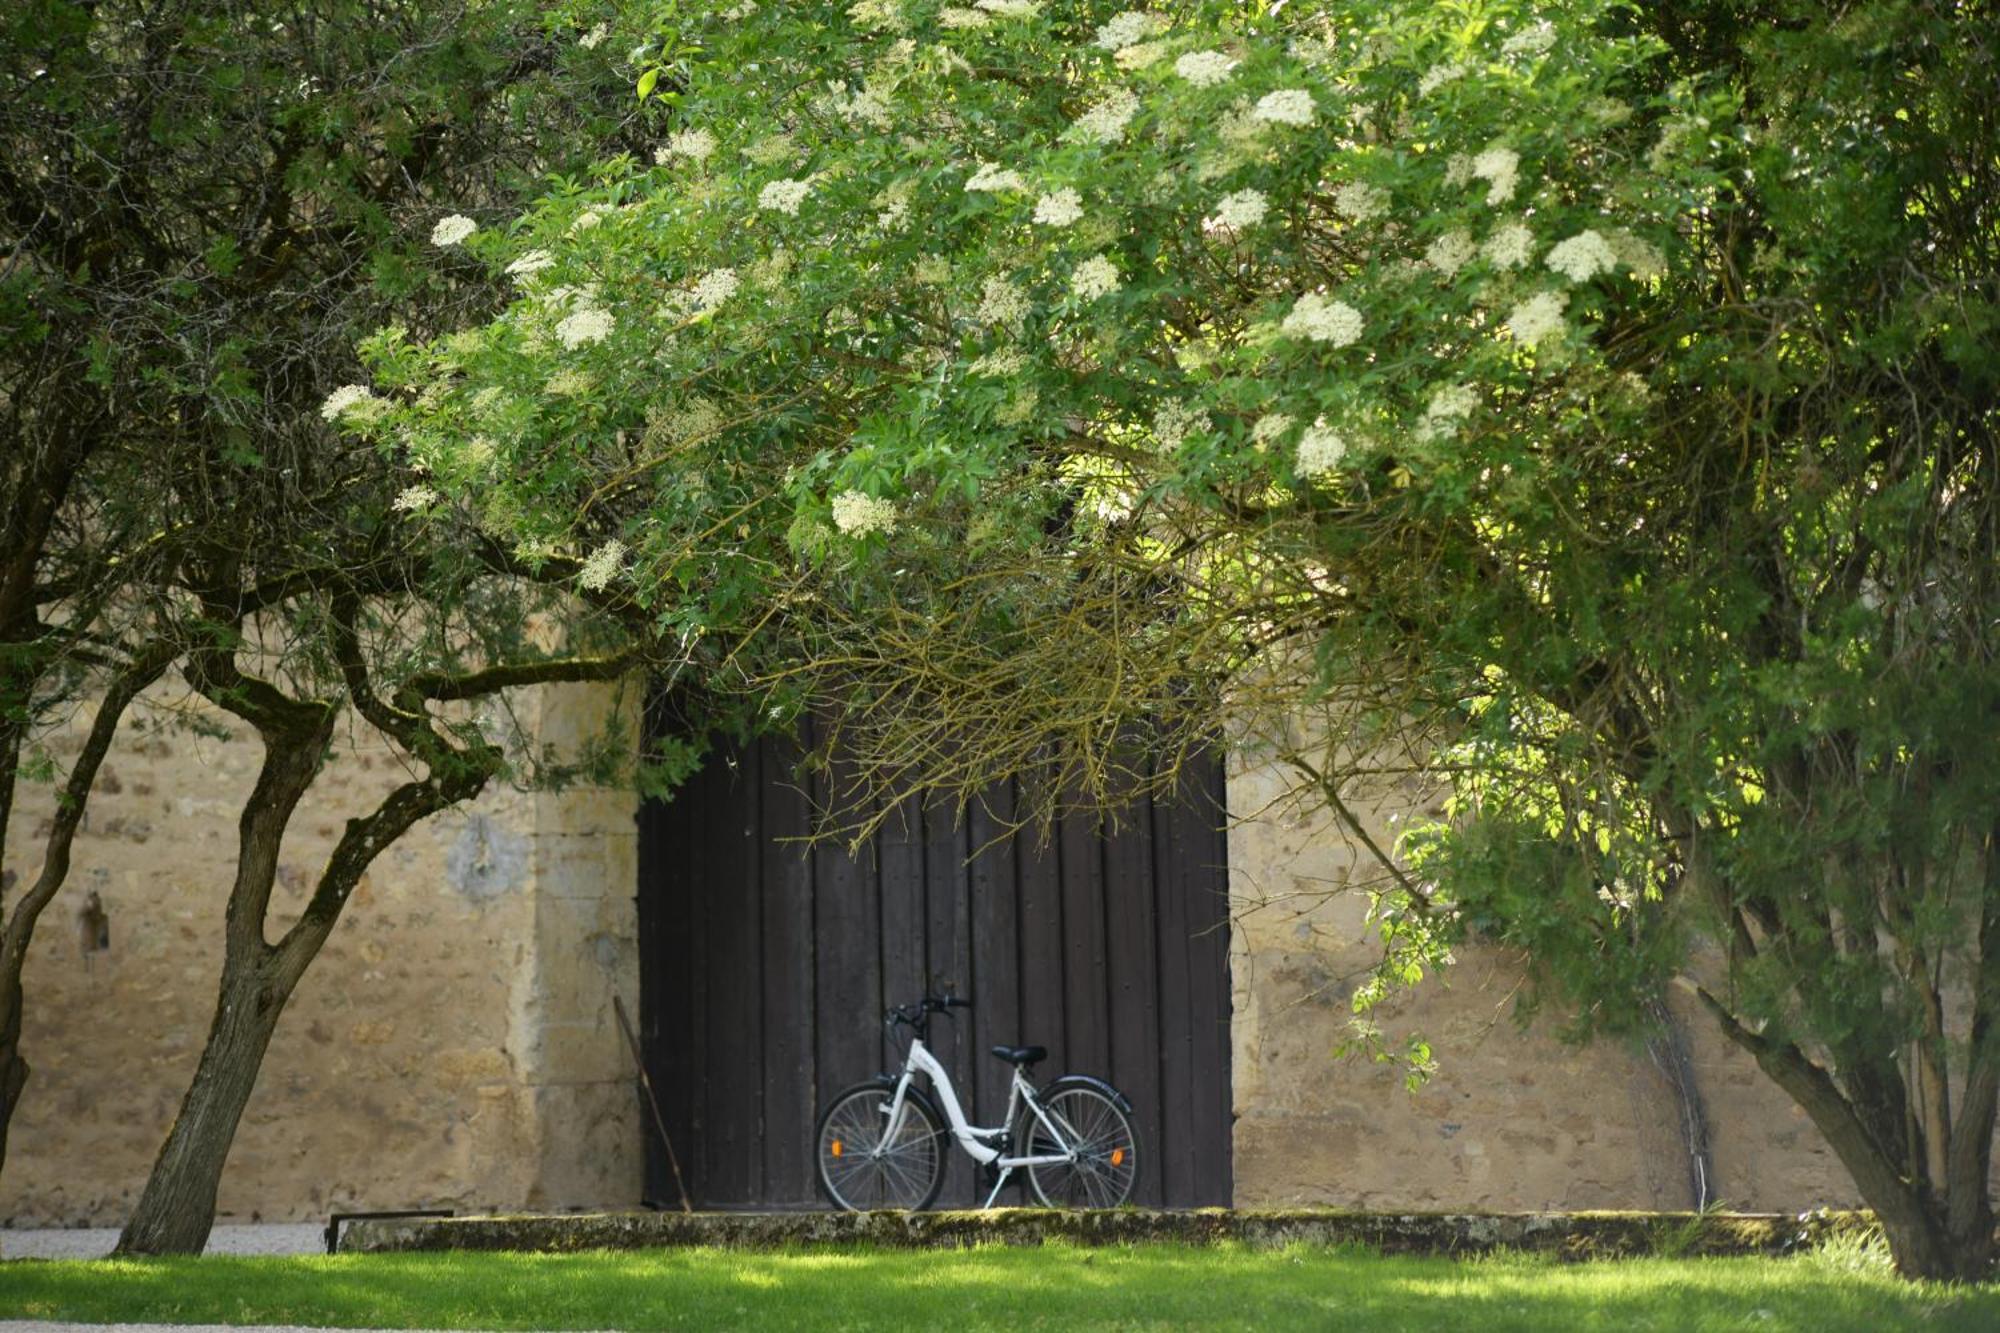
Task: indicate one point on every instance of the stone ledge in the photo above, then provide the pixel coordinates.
(1570, 1236)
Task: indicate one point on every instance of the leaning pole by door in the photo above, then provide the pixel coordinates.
(646, 1086)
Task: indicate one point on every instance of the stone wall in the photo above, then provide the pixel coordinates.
(1513, 1119)
(453, 1046)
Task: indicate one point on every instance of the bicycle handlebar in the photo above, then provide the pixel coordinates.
(918, 1015)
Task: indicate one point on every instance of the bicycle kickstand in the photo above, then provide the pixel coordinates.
(999, 1184)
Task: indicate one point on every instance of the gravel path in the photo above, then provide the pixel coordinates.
(96, 1242)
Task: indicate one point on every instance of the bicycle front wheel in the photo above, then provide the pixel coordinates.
(1089, 1128)
(866, 1163)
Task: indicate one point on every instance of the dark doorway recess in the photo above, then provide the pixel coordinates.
(765, 968)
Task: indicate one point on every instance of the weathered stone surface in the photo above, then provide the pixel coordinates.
(452, 1046)
(1573, 1236)
(1513, 1118)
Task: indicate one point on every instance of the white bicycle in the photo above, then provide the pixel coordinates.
(881, 1143)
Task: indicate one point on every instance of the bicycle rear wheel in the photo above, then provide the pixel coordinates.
(1103, 1163)
(862, 1165)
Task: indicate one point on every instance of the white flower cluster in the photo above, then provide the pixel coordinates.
(1500, 169)
(784, 196)
(713, 288)
(1205, 69)
(1530, 41)
(1582, 257)
(696, 145)
(1268, 428)
(1143, 56)
(955, 16)
(1095, 277)
(1510, 246)
(999, 365)
(347, 398)
(1176, 420)
(1122, 30)
(1001, 302)
(1537, 319)
(452, 230)
(1106, 122)
(885, 14)
(569, 383)
(1010, 9)
(857, 514)
(1320, 451)
(1059, 208)
(1358, 201)
(587, 219)
(991, 179)
(1437, 76)
(530, 263)
(1244, 208)
(586, 324)
(1451, 252)
(1321, 319)
(1639, 256)
(1287, 106)
(414, 499)
(1454, 402)
(601, 566)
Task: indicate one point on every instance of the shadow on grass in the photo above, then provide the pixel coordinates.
(1056, 1286)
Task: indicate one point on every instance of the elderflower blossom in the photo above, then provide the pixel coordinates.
(530, 263)
(1176, 420)
(1059, 208)
(1010, 9)
(1268, 428)
(1106, 122)
(1204, 69)
(601, 566)
(1244, 208)
(1500, 168)
(886, 14)
(1122, 30)
(1640, 256)
(712, 289)
(1321, 319)
(588, 325)
(1287, 106)
(1095, 277)
(857, 514)
(1437, 76)
(1143, 56)
(1358, 201)
(1454, 402)
(784, 196)
(1320, 451)
(414, 500)
(590, 40)
(696, 145)
(1537, 319)
(587, 219)
(1001, 302)
(1531, 41)
(1582, 257)
(349, 398)
(999, 365)
(952, 16)
(1510, 246)
(452, 230)
(1451, 252)
(991, 179)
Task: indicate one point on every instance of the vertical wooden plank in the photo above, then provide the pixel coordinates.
(1207, 872)
(1039, 866)
(996, 947)
(847, 983)
(900, 857)
(659, 973)
(1134, 985)
(1175, 944)
(947, 965)
(697, 803)
(1087, 1018)
(787, 963)
(733, 1141)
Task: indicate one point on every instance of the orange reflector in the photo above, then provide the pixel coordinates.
(837, 1148)
(1117, 1157)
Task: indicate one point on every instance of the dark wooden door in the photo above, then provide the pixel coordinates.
(765, 968)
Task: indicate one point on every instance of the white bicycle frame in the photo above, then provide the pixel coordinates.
(977, 1142)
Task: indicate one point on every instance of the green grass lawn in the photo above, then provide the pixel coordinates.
(1154, 1286)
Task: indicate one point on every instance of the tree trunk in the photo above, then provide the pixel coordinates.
(13, 1068)
(178, 1207)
